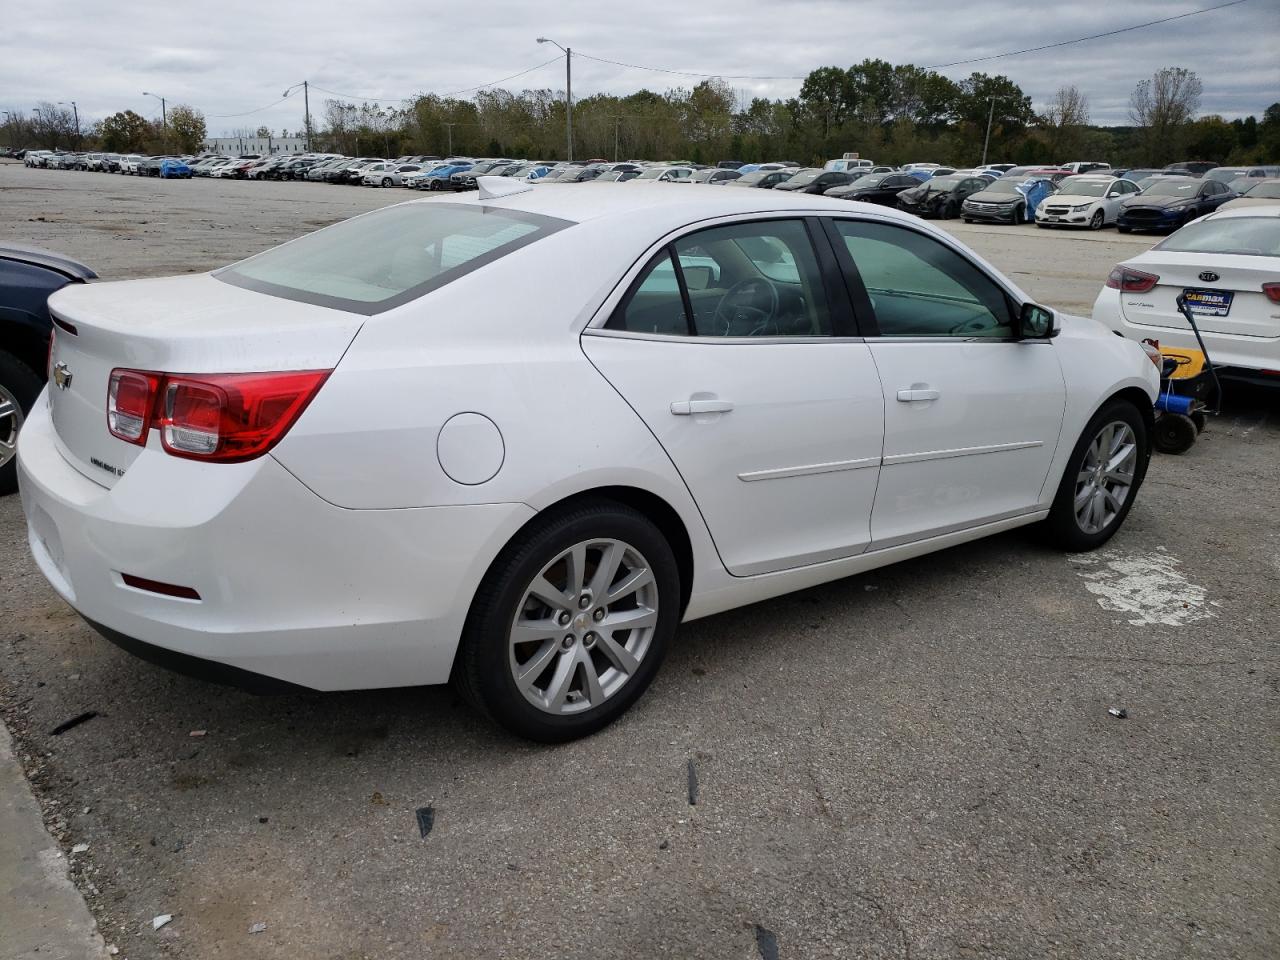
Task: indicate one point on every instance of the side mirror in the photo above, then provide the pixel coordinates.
(1035, 322)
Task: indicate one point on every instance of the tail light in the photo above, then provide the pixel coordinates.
(226, 418)
(1128, 280)
(1272, 290)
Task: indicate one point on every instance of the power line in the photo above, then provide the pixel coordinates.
(1095, 36)
(226, 116)
(936, 66)
(504, 79)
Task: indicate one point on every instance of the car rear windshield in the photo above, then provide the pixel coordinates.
(1267, 190)
(386, 258)
(1250, 236)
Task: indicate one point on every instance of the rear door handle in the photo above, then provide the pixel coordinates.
(918, 391)
(685, 408)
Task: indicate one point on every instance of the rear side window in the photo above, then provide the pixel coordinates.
(386, 258)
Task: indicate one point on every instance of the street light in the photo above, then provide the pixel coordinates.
(568, 91)
(164, 116)
(76, 111)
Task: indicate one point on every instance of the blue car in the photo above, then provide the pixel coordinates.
(438, 179)
(175, 168)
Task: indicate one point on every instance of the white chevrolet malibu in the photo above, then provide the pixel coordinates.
(515, 440)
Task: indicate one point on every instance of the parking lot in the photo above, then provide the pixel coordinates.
(915, 763)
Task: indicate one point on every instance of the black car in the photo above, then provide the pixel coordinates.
(815, 180)
(1189, 168)
(881, 188)
(764, 179)
(716, 175)
(1171, 202)
(27, 277)
(941, 196)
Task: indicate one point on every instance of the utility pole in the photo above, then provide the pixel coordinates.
(568, 93)
(306, 112)
(76, 111)
(164, 116)
(449, 129)
(987, 142)
(617, 122)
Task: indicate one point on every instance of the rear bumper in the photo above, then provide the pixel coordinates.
(1245, 354)
(290, 587)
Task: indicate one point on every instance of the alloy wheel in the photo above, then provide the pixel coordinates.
(583, 626)
(1105, 478)
(10, 424)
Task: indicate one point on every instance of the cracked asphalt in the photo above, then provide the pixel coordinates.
(915, 763)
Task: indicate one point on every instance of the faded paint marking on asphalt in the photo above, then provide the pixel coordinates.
(1147, 587)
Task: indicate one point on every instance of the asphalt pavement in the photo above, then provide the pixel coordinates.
(920, 762)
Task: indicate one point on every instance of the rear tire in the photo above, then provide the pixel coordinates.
(570, 644)
(19, 387)
(1085, 512)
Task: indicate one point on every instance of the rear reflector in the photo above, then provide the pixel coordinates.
(1128, 280)
(227, 417)
(157, 586)
(1272, 290)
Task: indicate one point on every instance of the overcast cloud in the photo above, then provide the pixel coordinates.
(231, 56)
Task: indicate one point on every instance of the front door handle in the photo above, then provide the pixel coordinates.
(685, 408)
(917, 391)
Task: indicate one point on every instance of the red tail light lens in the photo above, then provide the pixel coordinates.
(220, 417)
(129, 402)
(1128, 280)
(1272, 290)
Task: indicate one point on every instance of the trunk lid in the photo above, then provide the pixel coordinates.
(1250, 313)
(193, 324)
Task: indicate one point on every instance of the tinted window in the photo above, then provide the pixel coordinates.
(654, 303)
(385, 258)
(921, 288)
(758, 279)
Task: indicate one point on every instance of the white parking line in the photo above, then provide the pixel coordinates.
(1148, 588)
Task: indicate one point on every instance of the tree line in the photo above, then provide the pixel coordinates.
(891, 113)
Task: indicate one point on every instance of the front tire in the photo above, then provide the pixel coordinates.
(571, 622)
(1101, 479)
(1097, 221)
(19, 387)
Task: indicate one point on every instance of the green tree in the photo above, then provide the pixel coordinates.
(124, 132)
(1164, 107)
(187, 130)
(1211, 138)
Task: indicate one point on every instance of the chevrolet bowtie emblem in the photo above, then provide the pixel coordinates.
(62, 375)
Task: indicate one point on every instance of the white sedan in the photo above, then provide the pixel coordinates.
(516, 439)
(1085, 200)
(1227, 264)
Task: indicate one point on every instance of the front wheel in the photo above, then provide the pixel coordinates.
(386, 181)
(571, 622)
(19, 387)
(1101, 479)
(1097, 221)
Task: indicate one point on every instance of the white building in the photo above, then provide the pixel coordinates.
(263, 146)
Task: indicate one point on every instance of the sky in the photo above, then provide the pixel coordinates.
(232, 58)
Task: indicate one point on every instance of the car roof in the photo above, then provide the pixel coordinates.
(620, 200)
(1256, 210)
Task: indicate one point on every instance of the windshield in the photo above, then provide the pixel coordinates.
(1249, 236)
(1172, 188)
(1080, 187)
(807, 175)
(943, 183)
(1226, 174)
(1006, 185)
(870, 180)
(1267, 190)
(404, 252)
(652, 174)
(702, 176)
